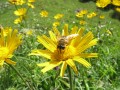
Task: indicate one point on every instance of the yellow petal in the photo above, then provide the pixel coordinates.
(47, 44)
(88, 55)
(10, 61)
(86, 39)
(51, 65)
(71, 64)
(83, 48)
(1, 62)
(82, 61)
(74, 30)
(43, 64)
(63, 68)
(65, 30)
(44, 53)
(52, 36)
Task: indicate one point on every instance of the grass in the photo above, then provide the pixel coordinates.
(105, 70)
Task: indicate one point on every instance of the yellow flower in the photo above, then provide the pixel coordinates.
(103, 3)
(6, 31)
(30, 5)
(17, 2)
(82, 22)
(20, 12)
(79, 15)
(117, 9)
(66, 55)
(83, 12)
(44, 13)
(8, 44)
(55, 24)
(91, 15)
(116, 2)
(109, 32)
(31, 1)
(58, 16)
(18, 20)
(29, 32)
(102, 16)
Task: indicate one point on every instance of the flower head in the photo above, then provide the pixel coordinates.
(103, 3)
(55, 24)
(17, 2)
(58, 16)
(8, 44)
(65, 53)
(20, 12)
(44, 13)
(116, 2)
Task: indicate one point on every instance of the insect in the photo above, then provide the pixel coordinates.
(63, 41)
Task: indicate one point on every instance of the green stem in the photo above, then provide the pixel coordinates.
(20, 76)
(70, 78)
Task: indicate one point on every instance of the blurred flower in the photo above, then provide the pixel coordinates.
(103, 3)
(116, 2)
(117, 9)
(44, 13)
(91, 15)
(109, 32)
(72, 51)
(30, 5)
(17, 2)
(31, 1)
(58, 16)
(83, 12)
(8, 44)
(55, 24)
(79, 15)
(6, 31)
(82, 22)
(102, 16)
(18, 20)
(29, 32)
(20, 12)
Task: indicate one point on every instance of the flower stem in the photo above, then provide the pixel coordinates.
(70, 78)
(20, 76)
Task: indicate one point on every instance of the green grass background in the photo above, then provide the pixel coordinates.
(105, 71)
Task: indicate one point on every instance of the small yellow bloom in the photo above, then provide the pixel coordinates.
(31, 1)
(109, 32)
(73, 52)
(102, 16)
(79, 15)
(18, 20)
(58, 16)
(117, 9)
(91, 15)
(30, 5)
(116, 2)
(29, 32)
(44, 13)
(82, 22)
(103, 3)
(83, 12)
(17, 2)
(6, 31)
(8, 44)
(20, 12)
(55, 24)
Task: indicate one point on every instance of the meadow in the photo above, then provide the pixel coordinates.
(104, 73)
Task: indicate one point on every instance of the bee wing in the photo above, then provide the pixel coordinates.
(72, 36)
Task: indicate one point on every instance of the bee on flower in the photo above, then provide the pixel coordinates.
(65, 49)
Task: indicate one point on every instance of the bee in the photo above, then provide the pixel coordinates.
(63, 41)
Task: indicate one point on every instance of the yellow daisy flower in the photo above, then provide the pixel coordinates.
(44, 13)
(18, 20)
(103, 3)
(65, 54)
(116, 2)
(82, 22)
(30, 5)
(117, 9)
(102, 16)
(31, 1)
(20, 12)
(55, 24)
(8, 44)
(58, 16)
(17, 2)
